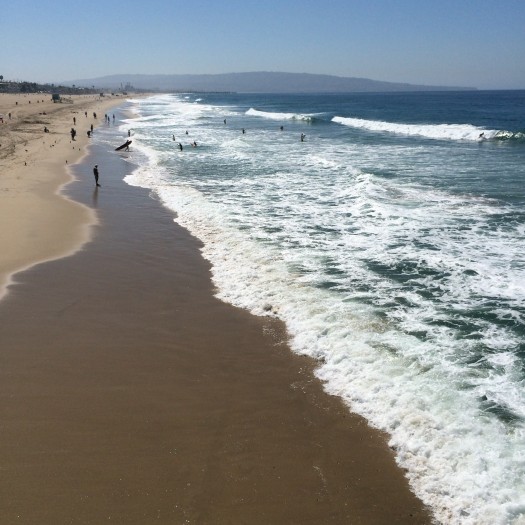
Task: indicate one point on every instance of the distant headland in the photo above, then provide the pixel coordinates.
(255, 82)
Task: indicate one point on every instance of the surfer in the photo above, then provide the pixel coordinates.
(180, 146)
(124, 146)
(303, 136)
(482, 136)
(95, 173)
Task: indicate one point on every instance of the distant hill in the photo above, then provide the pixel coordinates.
(257, 82)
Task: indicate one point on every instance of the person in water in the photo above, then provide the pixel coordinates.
(303, 136)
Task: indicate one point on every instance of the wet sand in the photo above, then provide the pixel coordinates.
(131, 395)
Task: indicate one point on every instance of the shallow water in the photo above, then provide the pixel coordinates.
(390, 242)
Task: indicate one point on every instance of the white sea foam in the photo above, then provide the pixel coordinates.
(278, 116)
(302, 230)
(434, 131)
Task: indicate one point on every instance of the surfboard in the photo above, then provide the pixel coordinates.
(125, 145)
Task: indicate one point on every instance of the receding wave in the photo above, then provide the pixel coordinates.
(432, 131)
(280, 116)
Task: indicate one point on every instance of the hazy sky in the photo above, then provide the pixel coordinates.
(479, 43)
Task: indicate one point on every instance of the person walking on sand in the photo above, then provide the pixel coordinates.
(95, 173)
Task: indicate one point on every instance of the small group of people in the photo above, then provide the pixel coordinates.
(180, 146)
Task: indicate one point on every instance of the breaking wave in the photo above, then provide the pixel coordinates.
(432, 131)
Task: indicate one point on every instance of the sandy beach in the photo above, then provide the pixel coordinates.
(42, 224)
(130, 394)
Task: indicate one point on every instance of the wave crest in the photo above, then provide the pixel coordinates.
(279, 116)
(433, 131)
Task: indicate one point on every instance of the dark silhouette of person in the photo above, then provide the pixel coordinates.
(180, 146)
(95, 173)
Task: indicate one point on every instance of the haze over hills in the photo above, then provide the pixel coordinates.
(255, 82)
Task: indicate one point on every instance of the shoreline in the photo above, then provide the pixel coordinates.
(43, 224)
(138, 396)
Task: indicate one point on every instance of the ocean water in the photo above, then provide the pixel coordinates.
(391, 243)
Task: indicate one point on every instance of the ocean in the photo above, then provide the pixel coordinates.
(390, 241)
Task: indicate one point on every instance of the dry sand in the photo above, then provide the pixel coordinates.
(131, 395)
(37, 222)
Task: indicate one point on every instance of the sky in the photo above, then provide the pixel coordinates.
(471, 43)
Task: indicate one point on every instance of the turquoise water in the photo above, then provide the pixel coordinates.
(390, 241)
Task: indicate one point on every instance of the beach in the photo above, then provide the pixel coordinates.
(42, 224)
(130, 392)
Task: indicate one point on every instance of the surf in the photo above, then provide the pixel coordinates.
(279, 116)
(396, 265)
(431, 131)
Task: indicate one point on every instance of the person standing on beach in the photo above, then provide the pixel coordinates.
(95, 173)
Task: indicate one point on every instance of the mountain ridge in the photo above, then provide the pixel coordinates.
(255, 82)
